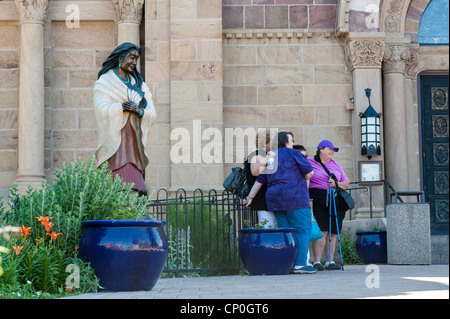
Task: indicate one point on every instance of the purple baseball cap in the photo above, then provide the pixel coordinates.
(326, 143)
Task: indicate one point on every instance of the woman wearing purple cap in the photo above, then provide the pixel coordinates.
(319, 186)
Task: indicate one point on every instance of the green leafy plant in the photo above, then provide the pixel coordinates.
(179, 250)
(247, 224)
(349, 253)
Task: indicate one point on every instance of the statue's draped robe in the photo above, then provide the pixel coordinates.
(122, 136)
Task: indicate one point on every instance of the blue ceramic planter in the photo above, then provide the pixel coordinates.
(126, 255)
(371, 247)
(267, 251)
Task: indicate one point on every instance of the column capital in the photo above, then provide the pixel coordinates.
(365, 54)
(411, 65)
(128, 11)
(32, 11)
(395, 58)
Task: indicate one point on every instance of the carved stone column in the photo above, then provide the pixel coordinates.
(412, 120)
(129, 16)
(365, 57)
(394, 65)
(32, 15)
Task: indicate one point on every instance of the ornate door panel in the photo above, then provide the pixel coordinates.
(435, 149)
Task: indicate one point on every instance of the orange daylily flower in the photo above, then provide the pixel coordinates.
(48, 226)
(17, 249)
(44, 219)
(54, 235)
(25, 231)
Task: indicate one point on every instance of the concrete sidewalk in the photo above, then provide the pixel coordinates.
(356, 281)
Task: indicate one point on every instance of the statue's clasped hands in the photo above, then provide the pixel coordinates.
(130, 107)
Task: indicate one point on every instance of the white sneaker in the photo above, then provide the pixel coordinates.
(303, 270)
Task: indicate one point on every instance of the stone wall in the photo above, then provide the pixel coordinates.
(183, 39)
(290, 81)
(9, 101)
(73, 58)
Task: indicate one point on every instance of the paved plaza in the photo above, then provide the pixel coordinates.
(356, 281)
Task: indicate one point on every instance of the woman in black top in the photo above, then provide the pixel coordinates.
(254, 165)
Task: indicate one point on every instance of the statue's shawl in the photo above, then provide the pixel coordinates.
(109, 94)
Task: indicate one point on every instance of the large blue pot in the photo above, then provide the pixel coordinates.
(268, 251)
(371, 247)
(126, 255)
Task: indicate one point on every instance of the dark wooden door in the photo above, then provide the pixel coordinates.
(435, 149)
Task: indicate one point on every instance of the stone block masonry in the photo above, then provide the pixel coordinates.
(278, 14)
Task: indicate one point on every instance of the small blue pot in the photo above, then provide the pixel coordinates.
(267, 251)
(127, 255)
(371, 247)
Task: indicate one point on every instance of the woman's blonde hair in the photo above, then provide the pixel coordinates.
(262, 139)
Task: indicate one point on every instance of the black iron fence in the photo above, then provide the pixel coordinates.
(202, 230)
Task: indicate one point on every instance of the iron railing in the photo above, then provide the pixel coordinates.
(390, 195)
(202, 230)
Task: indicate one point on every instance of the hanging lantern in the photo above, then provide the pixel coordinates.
(370, 130)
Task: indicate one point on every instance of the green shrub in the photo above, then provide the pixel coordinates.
(349, 253)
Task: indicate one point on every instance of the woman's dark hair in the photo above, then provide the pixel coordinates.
(283, 138)
(318, 151)
(299, 147)
(114, 58)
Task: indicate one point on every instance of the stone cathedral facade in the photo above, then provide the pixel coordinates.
(298, 65)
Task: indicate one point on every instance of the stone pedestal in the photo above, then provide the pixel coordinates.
(408, 234)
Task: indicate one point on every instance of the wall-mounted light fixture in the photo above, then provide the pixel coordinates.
(370, 130)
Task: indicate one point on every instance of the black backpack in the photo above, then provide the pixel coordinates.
(236, 182)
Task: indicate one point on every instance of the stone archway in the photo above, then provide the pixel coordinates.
(413, 17)
(393, 14)
(394, 17)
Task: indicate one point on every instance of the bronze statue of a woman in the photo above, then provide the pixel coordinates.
(125, 112)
